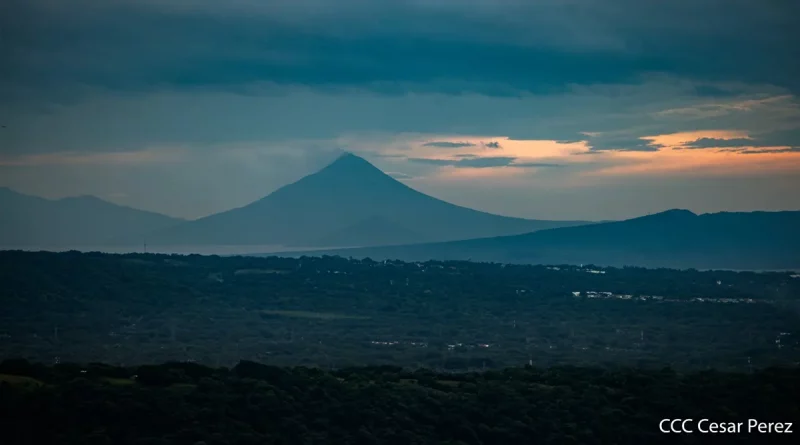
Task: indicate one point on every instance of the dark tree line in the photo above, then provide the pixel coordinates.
(184, 403)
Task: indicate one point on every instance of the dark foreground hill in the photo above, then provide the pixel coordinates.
(675, 239)
(185, 403)
(348, 203)
(31, 221)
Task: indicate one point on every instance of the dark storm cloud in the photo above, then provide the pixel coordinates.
(626, 144)
(776, 150)
(789, 137)
(502, 48)
(715, 143)
(478, 162)
(446, 144)
(449, 144)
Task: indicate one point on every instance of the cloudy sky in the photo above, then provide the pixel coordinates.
(559, 109)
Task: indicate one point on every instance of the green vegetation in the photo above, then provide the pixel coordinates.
(118, 381)
(19, 380)
(258, 271)
(315, 315)
(461, 353)
(184, 403)
(333, 313)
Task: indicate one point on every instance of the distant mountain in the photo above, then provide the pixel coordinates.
(373, 231)
(349, 202)
(675, 239)
(34, 222)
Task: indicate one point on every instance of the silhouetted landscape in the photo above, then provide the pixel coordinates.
(506, 350)
(333, 312)
(80, 221)
(435, 327)
(255, 404)
(351, 203)
(394, 222)
(348, 203)
(675, 238)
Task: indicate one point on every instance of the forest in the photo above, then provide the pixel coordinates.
(185, 403)
(333, 313)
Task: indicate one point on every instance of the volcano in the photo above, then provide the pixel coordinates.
(348, 203)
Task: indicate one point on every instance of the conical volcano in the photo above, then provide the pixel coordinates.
(348, 197)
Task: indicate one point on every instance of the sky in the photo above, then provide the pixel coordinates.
(554, 109)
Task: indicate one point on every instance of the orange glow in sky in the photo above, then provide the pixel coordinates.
(670, 159)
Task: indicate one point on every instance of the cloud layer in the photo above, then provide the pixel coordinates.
(499, 48)
(195, 106)
(471, 161)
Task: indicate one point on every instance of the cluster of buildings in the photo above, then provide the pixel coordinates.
(611, 295)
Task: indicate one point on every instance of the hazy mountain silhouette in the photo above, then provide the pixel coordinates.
(32, 221)
(675, 238)
(373, 231)
(352, 202)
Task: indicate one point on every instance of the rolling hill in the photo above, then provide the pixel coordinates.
(675, 239)
(348, 203)
(35, 222)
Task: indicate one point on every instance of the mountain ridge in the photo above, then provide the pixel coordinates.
(347, 191)
(74, 221)
(673, 238)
